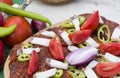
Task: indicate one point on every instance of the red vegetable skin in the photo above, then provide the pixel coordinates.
(92, 22)
(2, 53)
(7, 1)
(33, 63)
(23, 30)
(1, 19)
(107, 69)
(111, 47)
(80, 36)
(56, 49)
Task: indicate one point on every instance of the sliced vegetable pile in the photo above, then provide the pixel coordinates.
(87, 57)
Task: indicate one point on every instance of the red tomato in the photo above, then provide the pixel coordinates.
(22, 31)
(111, 47)
(107, 69)
(56, 49)
(80, 36)
(2, 53)
(7, 1)
(92, 22)
(33, 63)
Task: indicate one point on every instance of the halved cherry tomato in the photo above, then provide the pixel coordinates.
(33, 63)
(92, 22)
(107, 69)
(80, 36)
(111, 47)
(7, 1)
(56, 49)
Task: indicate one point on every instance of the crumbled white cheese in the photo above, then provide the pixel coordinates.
(65, 37)
(76, 23)
(116, 34)
(40, 41)
(92, 42)
(48, 33)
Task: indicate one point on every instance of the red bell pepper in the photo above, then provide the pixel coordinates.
(56, 49)
(92, 22)
(33, 63)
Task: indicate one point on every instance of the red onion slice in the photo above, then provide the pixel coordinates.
(82, 55)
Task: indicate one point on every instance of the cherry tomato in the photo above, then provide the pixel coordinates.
(80, 36)
(2, 53)
(33, 63)
(56, 49)
(92, 22)
(23, 30)
(7, 1)
(111, 47)
(107, 69)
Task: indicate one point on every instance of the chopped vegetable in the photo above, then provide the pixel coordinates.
(5, 31)
(27, 45)
(90, 73)
(81, 56)
(1, 19)
(111, 57)
(116, 34)
(7, 8)
(107, 69)
(48, 33)
(111, 47)
(40, 41)
(33, 63)
(65, 37)
(29, 50)
(58, 74)
(72, 48)
(81, 19)
(67, 24)
(38, 25)
(92, 22)
(69, 31)
(91, 42)
(75, 73)
(80, 36)
(57, 64)
(45, 74)
(76, 23)
(104, 34)
(85, 44)
(23, 57)
(56, 49)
